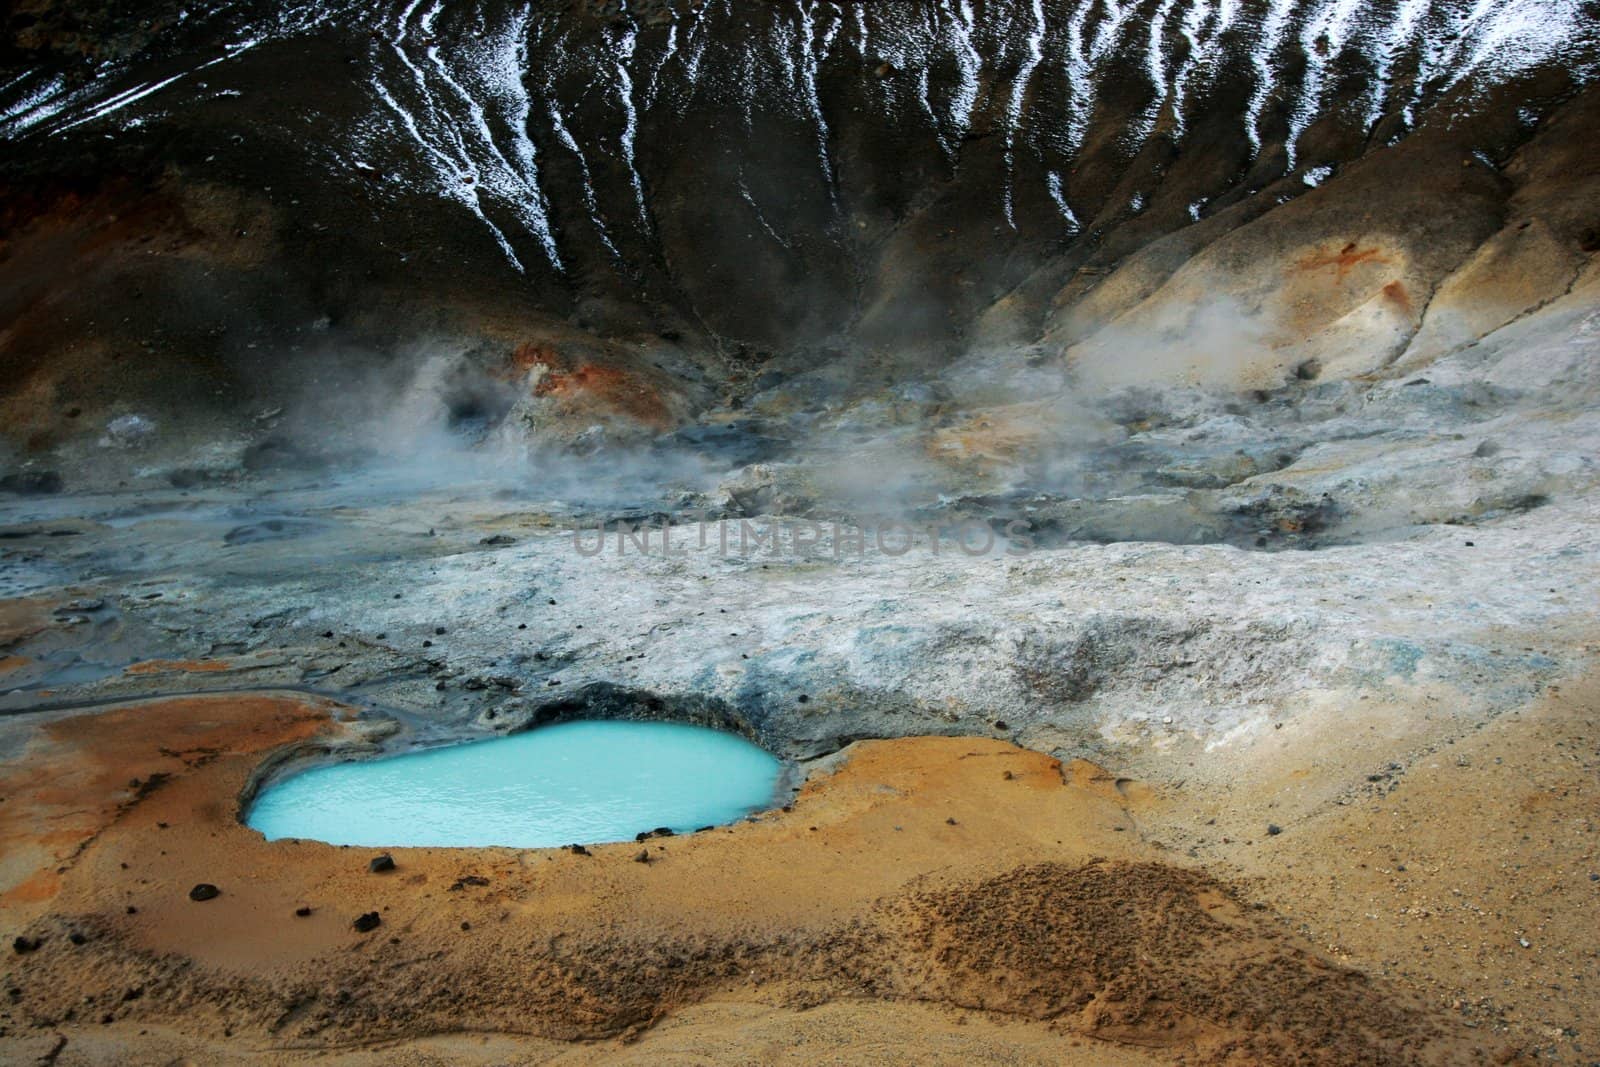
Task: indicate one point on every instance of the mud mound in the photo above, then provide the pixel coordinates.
(1153, 955)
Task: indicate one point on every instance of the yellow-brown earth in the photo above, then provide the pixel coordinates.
(938, 899)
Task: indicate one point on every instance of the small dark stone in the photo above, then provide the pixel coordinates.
(302, 911)
(578, 850)
(466, 880)
(465, 925)
(1469, 544)
(804, 699)
(204, 891)
(382, 863)
(132, 910)
(23, 945)
(950, 822)
(1007, 775)
(76, 938)
(643, 856)
(367, 922)
(999, 724)
(498, 539)
(439, 630)
(1273, 829)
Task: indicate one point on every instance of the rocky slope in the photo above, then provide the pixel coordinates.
(665, 210)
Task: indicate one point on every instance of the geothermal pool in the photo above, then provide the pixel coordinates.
(577, 782)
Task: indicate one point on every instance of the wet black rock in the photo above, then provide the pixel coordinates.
(277, 454)
(660, 831)
(190, 477)
(367, 922)
(269, 530)
(204, 891)
(736, 444)
(31, 483)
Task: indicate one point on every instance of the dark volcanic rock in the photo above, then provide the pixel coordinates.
(31, 483)
(204, 891)
(747, 200)
(270, 530)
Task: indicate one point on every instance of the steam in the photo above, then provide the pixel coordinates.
(1216, 345)
(441, 417)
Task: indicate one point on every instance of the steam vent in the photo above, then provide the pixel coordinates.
(787, 532)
